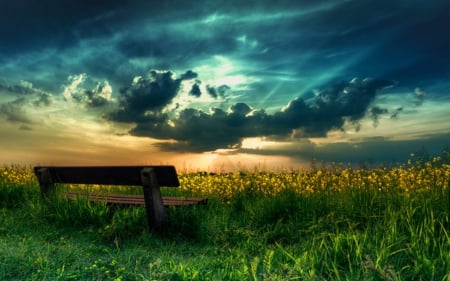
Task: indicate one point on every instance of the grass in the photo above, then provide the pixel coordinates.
(334, 224)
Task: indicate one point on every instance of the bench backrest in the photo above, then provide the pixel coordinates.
(110, 175)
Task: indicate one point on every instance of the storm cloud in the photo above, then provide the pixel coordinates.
(146, 96)
(196, 130)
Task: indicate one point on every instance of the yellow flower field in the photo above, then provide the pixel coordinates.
(413, 177)
(17, 175)
(410, 178)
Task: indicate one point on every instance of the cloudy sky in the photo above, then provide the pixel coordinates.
(223, 84)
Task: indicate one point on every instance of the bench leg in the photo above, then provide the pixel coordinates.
(156, 213)
(45, 182)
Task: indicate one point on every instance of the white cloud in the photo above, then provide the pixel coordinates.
(71, 90)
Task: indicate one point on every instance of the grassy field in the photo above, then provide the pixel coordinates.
(325, 223)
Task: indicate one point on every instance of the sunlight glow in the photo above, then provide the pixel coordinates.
(257, 143)
(221, 70)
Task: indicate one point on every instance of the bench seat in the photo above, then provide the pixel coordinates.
(131, 199)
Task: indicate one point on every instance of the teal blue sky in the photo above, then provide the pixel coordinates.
(223, 84)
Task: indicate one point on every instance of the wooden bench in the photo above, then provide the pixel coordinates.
(149, 177)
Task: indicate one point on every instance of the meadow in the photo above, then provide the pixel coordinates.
(327, 222)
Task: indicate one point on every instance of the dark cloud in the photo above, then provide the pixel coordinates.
(146, 96)
(353, 98)
(195, 130)
(240, 109)
(375, 113)
(211, 91)
(216, 92)
(188, 75)
(195, 90)
(331, 107)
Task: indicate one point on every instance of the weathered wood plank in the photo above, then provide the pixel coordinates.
(132, 199)
(110, 175)
(157, 216)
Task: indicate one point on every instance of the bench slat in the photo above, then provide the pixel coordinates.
(131, 199)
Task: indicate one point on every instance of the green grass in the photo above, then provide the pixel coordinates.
(348, 235)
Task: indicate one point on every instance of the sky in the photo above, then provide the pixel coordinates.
(223, 85)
